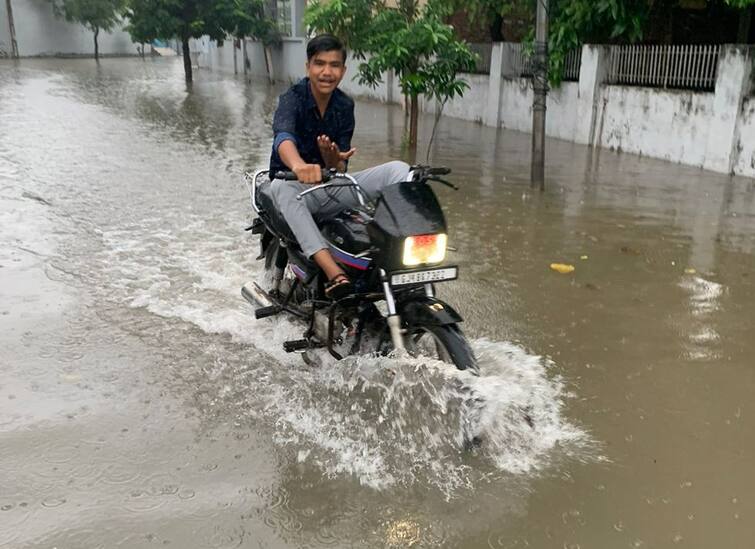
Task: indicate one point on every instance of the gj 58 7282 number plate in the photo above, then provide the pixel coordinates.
(423, 277)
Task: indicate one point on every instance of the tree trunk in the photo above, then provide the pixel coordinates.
(235, 56)
(187, 58)
(745, 20)
(496, 32)
(269, 64)
(12, 29)
(413, 122)
(96, 45)
(668, 28)
(243, 54)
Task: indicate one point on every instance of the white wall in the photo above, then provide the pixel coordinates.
(516, 108)
(696, 128)
(206, 53)
(672, 125)
(471, 106)
(516, 104)
(39, 33)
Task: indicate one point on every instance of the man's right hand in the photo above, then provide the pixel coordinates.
(308, 173)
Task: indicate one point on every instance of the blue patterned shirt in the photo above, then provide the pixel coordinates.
(298, 119)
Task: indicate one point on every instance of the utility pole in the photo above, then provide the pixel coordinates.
(540, 81)
(13, 43)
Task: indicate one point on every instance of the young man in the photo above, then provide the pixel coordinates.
(313, 126)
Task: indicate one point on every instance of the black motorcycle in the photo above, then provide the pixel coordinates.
(392, 249)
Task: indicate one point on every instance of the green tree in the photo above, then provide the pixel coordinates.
(182, 19)
(411, 40)
(248, 19)
(96, 15)
(578, 22)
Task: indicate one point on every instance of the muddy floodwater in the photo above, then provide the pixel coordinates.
(141, 405)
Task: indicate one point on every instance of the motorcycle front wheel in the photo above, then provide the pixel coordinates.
(446, 343)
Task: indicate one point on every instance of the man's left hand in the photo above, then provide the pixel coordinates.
(331, 154)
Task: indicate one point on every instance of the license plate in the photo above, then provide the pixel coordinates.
(423, 277)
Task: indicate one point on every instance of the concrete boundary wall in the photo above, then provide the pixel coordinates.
(712, 130)
(745, 144)
(40, 33)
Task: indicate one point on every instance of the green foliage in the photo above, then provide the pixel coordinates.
(576, 22)
(153, 19)
(412, 41)
(248, 18)
(96, 15)
(348, 19)
(484, 9)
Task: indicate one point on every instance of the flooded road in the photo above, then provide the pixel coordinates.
(141, 405)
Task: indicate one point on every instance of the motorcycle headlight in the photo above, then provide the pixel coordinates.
(424, 248)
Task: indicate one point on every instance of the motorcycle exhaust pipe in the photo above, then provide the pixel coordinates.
(255, 295)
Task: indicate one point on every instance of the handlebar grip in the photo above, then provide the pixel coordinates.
(327, 175)
(288, 176)
(431, 170)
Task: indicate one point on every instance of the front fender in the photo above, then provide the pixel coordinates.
(427, 311)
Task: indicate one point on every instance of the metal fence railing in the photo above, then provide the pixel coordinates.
(572, 65)
(517, 60)
(681, 67)
(521, 59)
(521, 63)
(484, 52)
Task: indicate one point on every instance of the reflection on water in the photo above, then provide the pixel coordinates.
(613, 399)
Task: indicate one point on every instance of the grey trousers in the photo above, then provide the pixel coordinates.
(327, 203)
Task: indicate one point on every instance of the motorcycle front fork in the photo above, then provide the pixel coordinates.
(394, 319)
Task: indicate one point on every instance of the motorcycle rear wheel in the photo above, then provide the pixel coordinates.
(445, 343)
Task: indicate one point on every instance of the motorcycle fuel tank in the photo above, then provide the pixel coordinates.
(348, 232)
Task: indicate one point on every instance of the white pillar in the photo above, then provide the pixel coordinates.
(732, 86)
(492, 113)
(297, 15)
(592, 75)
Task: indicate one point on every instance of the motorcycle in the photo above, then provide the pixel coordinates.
(393, 249)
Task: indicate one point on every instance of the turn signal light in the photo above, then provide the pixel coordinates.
(424, 248)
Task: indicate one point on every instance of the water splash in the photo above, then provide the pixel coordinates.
(384, 421)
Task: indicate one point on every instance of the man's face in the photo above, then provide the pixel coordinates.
(325, 71)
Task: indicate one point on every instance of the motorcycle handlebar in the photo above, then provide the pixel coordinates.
(291, 176)
(431, 170)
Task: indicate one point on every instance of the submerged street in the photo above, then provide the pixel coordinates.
(141, 404)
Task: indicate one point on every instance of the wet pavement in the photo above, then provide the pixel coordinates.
(141, 405)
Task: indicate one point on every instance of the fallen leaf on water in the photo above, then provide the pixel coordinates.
(562, 268)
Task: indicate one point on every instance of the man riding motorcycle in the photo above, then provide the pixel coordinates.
(313, 126)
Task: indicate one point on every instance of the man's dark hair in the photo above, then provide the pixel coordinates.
(324, 42)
